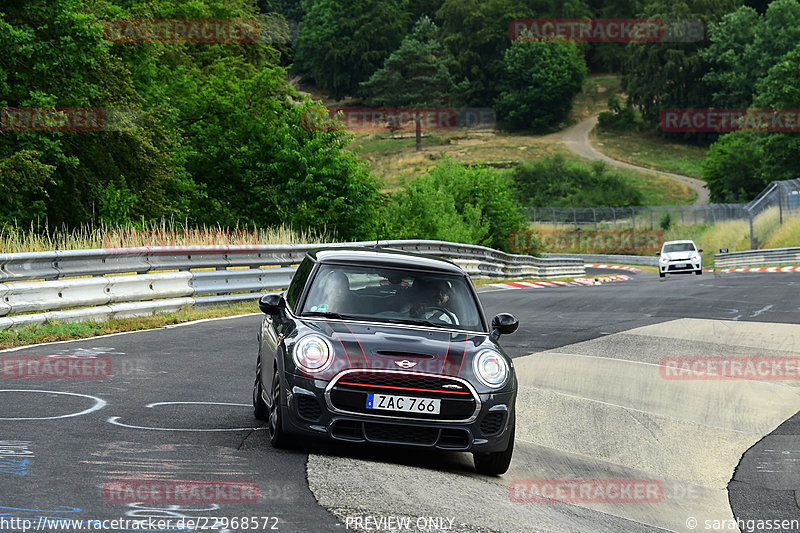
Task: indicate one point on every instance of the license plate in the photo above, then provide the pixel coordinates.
(681, 265)
(406, 404)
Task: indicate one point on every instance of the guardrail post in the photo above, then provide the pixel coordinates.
(594, 216)
(614, 212)
(555, 222)
(633, 212)
(752, 237)
(575, 217)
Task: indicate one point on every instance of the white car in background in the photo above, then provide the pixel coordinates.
(679, 257)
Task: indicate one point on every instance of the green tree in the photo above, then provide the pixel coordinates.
(732, 167)
(540, 81)
(342, 42)
(24, 181)
(668, 74)
(744, 46)
(476, 34)
(457, 203)
(416, 74)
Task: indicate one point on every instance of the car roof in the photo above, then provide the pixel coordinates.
(679, 242)
(385, 257)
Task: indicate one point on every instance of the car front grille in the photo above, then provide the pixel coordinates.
(388, 433)
(348, 393)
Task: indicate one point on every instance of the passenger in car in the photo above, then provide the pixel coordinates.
(335, 296)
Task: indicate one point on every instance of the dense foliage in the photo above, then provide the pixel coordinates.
(218, 136)
(555, 181)
(540, 80)
(457, 203)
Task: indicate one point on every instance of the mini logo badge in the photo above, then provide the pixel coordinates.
(405, 363)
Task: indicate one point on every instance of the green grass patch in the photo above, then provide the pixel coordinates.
(651, 151)
(52, 331)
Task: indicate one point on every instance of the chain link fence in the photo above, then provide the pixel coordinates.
(784, 196)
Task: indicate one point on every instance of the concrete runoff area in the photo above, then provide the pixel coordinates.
(602, 409)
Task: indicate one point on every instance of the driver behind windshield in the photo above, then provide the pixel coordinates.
(427, 296)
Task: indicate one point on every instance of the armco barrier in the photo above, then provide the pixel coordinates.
(611, 259)
(73, 285)
(774, 256)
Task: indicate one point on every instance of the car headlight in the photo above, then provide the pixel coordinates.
(663, 259)
(490, 368)
(312, 353)
(695, 258)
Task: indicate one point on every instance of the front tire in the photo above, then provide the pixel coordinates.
(277, 436)
(661, 274)
(495, 463)
(699, 272)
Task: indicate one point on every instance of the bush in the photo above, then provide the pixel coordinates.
(618, 119)
(554, 181)
(732, 167)
(453, 202)
(541, 79)
(665, 223)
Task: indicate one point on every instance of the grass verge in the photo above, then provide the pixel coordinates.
(651, 151)
(158, 233)
(52, 331)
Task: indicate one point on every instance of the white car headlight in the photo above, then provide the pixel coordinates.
(695, 257)
(490, 368)
(663, 259)
(312, 353)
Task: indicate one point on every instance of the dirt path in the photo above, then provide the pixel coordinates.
(576, 138)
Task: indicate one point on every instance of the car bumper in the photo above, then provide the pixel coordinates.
(307, 413)
(679, 267)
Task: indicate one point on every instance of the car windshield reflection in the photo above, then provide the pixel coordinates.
(394, 296)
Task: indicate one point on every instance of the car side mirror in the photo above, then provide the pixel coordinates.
(658, 253)
(272, 304)
(700, 250)
(504, 324)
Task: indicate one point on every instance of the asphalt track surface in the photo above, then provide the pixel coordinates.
(176, 406)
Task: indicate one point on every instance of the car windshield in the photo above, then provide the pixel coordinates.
(393, 296)
(679, 247)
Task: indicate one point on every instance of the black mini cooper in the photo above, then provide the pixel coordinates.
(386, 347)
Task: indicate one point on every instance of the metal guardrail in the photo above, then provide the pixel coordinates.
(775, 256)
(610, 259)
(74, 285)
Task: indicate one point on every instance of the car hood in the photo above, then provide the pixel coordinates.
(678, 256)
(388, 347)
